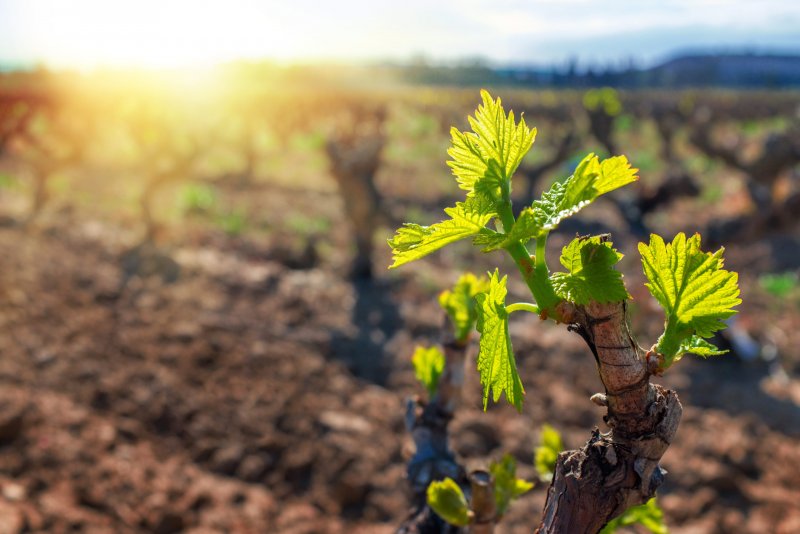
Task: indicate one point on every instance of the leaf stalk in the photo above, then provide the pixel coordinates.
(523, 306)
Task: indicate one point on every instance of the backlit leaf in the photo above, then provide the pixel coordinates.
(484, 159)
(591, 275)
(428, 366)
(460, 305)
(546, 454)
(412, 241)
(496, 363)
(591, 179)
(697, 294)
(507, 486)
(649, 515)
(447, 500)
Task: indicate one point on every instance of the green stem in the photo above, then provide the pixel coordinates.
(506, 215)
(526, 267)
(541, 253)
(536, 276)
(523, 306)
(542, 274)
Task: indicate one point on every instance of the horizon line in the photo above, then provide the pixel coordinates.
(17, 65)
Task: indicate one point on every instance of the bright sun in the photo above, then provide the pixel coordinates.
(150, 33)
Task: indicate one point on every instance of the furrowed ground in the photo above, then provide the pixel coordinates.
(227, 375)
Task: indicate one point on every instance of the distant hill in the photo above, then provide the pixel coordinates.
(733, 70)
(756, 71)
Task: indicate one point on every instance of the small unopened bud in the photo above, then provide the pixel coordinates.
(655, 362)
(599, 399)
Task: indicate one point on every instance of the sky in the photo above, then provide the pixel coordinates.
(87, 34)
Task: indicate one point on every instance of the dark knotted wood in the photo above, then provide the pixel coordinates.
(617, 470)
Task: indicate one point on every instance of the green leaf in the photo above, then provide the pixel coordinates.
(779, 285)
(412, 241)
(605, 98)
(591, 179)
(484, 160)
(697, 294)
(591, 275)
(460, 305)
(699, 346)
(507, 486)
(447, 500)
(649, 515)
(546, 454)
(496, 363)
(490, 241)
(428, 366)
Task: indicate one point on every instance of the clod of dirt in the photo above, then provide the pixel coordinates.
(12, 417)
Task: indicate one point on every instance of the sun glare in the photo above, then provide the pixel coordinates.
(87, 34)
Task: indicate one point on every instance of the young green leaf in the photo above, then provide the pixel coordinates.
(591, 275)
(484, 159)
(605, 98)
(412, 241)
(459, 303)
(699, 346)
(591, 179)
(697, 294)
(649, 515)
(447, 500)
(779, 285)
(496, 363)
(546, 454)
(507, 486)
(428, 366)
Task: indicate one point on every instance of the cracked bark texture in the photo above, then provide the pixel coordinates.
(619, 469)
(482, 502)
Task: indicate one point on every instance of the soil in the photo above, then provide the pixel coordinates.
(243, 385)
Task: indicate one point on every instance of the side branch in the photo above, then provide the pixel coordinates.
(433, 459)
(617, 470)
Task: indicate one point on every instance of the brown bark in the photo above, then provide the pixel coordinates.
(619, 469)
(482, 503)
(354, 164)
(601, 124)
